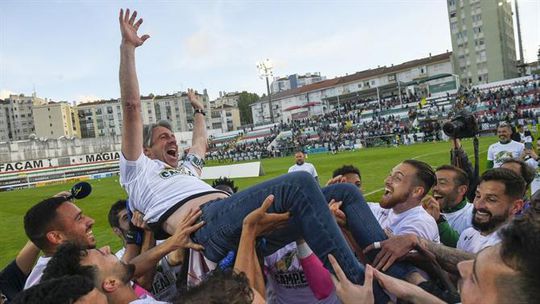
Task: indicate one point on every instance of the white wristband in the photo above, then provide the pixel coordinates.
(303, 250)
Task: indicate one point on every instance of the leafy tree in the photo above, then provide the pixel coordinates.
(244, 101)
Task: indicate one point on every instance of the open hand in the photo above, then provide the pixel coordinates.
(263, 222)
(181, 237)
(129, 29)
(392, 250)
(349, 292)
(194, 99)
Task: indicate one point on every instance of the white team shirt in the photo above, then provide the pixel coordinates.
(461, 219)
(415, 220)
(37, 272)
(498, 152)
(304, 167)
(154, 187)
(472, 241)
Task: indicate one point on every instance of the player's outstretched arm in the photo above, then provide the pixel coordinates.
(129, 85)
(200, 137)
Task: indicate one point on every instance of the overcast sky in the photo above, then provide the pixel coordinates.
(69, 50)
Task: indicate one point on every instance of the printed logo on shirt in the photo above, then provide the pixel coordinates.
(502, 155)
(291, 279)
(169, 172)
(286, 274)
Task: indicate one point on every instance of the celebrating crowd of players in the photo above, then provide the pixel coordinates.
(286, 240)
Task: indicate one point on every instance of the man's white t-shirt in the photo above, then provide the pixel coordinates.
(498, 152)
(415, 221)
(461, 219)
(304, 167)
(154, 187)
(472, 241)
(37, 272)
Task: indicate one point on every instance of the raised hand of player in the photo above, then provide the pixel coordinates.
(129, 28)
(194, 99)
(432, 207)
(181, 237)
(392, 250)
(349, 292)
(263, 222)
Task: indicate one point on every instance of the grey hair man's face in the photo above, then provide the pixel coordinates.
(163, 146)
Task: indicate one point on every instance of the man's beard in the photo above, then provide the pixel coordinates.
(393, 200)
(449, 199)
(494, 221)
(299, 162)
(128, 271)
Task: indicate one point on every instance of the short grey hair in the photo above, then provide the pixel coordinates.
(148, 130)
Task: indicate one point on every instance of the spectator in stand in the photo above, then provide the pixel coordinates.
(505, 148)
(301, 165)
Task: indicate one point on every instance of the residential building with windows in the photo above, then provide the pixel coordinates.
(16, 117)
(482, 40)
(225, 114)
(56, 119)
(294, 81)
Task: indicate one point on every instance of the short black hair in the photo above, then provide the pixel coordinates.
(425, 175)
(514, 185)
(114, 221)
(299, 150)
(63, 290)
(520, 244)
(220, 286)
(346, 169)
(225, 182)
(40, 219)
(67, 261)
(527, 172)
(462, 178)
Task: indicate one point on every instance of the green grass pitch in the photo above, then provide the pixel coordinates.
(374, 164)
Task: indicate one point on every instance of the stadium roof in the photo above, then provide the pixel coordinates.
(358, 76)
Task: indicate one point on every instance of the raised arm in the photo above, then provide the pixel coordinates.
(199, 140)
(129, 86)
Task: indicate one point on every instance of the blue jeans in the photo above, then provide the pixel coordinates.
(311, 219)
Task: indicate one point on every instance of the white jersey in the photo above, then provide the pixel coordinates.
(498, 152)
(154, 187)
(415, 220)
(460, 219)
(309, 168)
(472, 241)
(286, 281)
(37, 272)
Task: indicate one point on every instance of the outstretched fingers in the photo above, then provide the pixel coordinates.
(337, 269)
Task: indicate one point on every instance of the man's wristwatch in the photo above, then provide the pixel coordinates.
(200, 111)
